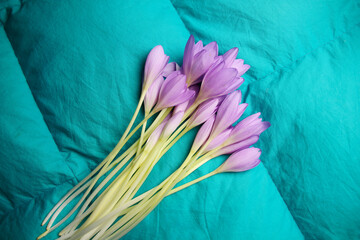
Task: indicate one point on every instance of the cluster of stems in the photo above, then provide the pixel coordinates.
(98, 214)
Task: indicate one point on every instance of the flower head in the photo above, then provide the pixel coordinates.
(197, 59)
(229, 112)
(203, 112)
(154, 65)
(174, 91)
(203, 133)
(241, 161)
(152, 94)
(219, 81)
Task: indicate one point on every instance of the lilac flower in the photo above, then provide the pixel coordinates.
(231, 62)
(152, 94)
(231, 148)
(228, 113)
(203, 112)
(186, 105)
(154, 66)
(197, 59)
(250, 126)
(173, 91)
(241, 161)
(219, 139)
(218, 81)
(203, 133)
(169, 68)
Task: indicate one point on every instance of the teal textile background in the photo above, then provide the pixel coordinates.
(70, 76)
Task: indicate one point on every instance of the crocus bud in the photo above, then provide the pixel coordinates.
(197, 59)
(241, 161)
(217, 82)
(231, 148)
(152, 94)
(218, 140)
(169, 68)
(173, 91)
(228, 113)
(203, 133)
(203, 112)
(154, 65)
(248, 127)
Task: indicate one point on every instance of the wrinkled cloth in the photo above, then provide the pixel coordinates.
(70, 79)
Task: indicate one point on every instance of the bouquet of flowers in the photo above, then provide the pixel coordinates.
(202, 92)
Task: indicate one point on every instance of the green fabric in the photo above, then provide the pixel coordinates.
(70, 81)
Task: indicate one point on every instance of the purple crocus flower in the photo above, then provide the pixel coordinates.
(197, 59)
(186, 105)
(154, 65)
(173, 91)
(219, 139)
(228, 113)
(229, 149)
(248, 127)
(169, 68)
(241, 161)
(203, 133)
(152, 94)
(203, 112)
(231, 62)
(218, 81)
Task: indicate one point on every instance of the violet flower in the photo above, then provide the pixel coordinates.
(203, 133)
(248, 127)
(169, 68)
(218, 140)
(173, 91)
(219, 81)
(203, 112)
(152, 94)
(241, 161)
(154, 65)
(197, 59)
(229, 112)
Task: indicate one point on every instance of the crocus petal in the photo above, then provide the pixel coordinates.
(203, 133)
(235, 84)
(188, 55)
(169, 68)
(239, 65)
(230, 56)
(152, 94)
(172, 124)
(229, 149)
(212, 47)
(241, 161)
(201, 63)
(218, 140)
(154, 65)
(173, 91)
(229, 112)
(203, 112)
(215, 84)
(255, 129)
(198, 47)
